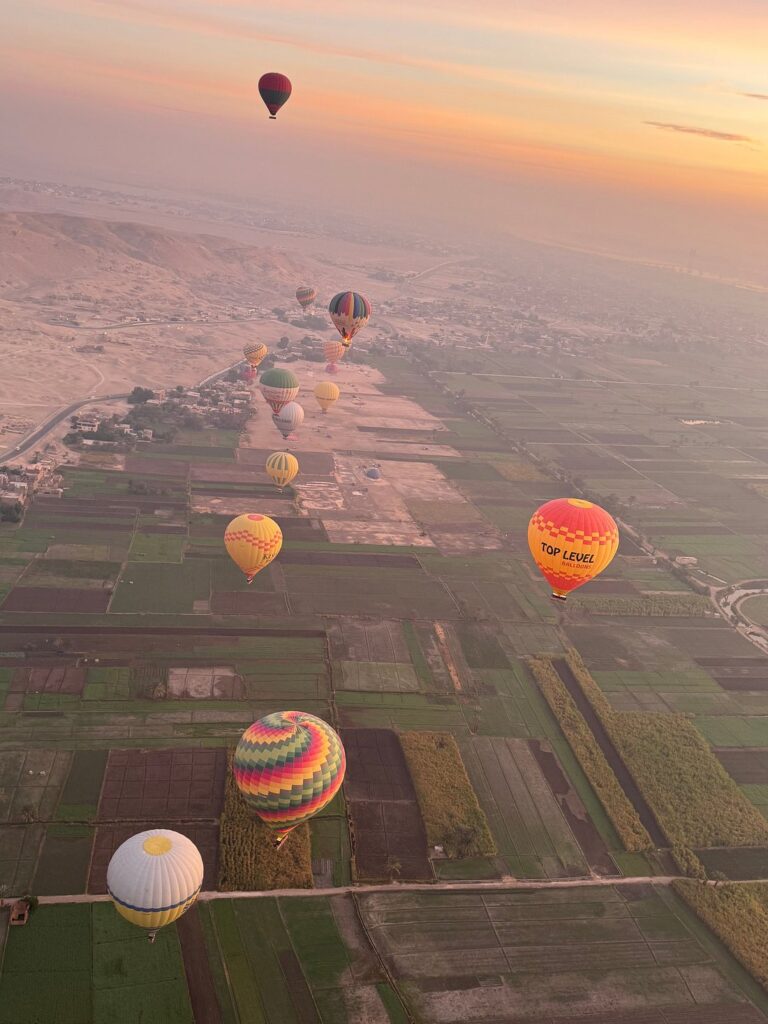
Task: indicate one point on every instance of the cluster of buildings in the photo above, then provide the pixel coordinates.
(18, 483)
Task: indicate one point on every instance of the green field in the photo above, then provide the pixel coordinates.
(154, 547)
(161, 587)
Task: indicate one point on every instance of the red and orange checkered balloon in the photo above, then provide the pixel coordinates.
(571, 541)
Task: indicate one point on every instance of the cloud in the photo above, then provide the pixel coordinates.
(706, 133)
(755, 95)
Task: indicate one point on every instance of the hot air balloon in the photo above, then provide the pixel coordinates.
(305, 296)
(290, 417)
(154, 877)
(278, 387)
(333, 352)
(373, 473)
(288, 766)
(252, 541)
(248, 375)
(571, 541)
(349, 312)
(274, 89)
(326, 393)
(282, 467)
(254, 352)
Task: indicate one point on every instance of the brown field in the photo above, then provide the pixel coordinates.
(357, 640)
(64, 678)
(197, 967)
(592, 956)
(56, 599)
(745, 766)
(389, 836)
(167, 784)
(205, 683)
(248, 602)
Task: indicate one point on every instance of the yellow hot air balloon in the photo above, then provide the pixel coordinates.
(254, 352)
(571, 541)
(252, 541)
(282, 467)
(154, 877)
(326, 393)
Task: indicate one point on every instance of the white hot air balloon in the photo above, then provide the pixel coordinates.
(289, 418)
(154, 877)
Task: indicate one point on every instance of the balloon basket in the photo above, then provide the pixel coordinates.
(558, 597)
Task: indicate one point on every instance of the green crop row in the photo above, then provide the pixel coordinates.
(591, 758)
(452, 816)
(694, 799)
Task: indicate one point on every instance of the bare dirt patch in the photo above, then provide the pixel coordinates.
(49, 679)
(55, 599)
(167, 784)
(205, 683)
(359, 640)
(389, 836)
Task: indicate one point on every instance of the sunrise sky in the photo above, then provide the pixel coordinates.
(590, 120)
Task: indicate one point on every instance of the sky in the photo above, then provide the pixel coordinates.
(639, 128)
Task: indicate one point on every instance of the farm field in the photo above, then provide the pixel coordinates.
(133, 655)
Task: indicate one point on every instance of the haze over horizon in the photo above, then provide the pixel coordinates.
(636, 132)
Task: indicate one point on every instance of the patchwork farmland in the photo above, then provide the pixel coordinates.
(133, 655)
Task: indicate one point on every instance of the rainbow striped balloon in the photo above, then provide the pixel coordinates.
(349, 313)
(288, 766)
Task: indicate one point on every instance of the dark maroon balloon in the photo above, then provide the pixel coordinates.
(274, 89)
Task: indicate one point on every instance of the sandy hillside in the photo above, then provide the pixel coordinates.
(66, 282)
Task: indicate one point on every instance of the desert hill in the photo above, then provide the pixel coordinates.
(66, 280)
(53, 254)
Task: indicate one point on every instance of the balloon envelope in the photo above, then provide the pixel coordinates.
(282, 467)
(254, 352)
(333, 351)
(252, 541)
(274, 89)
(349, 312)
(290, 417)
(571, 541)
(305, 296)
(288, 766)
(326, 393)
(278, 387)
(154, 876)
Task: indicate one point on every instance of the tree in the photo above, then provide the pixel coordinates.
(283, 343)
(140, 395)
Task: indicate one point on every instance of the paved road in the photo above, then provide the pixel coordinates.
(394, 887)
(53, 421)
(40, 432)
(157, 323)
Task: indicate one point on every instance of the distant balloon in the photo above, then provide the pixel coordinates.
(249, 374)
(154, 877)
(373, 473)
(289, 765)
(278, 387)
(333, 352)
(290, 418)
(571, 541)
(254, 352)
(306, 296)
(282, 467)
(252, 541)
(349, 312)
(274, 89)
(326, 393)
